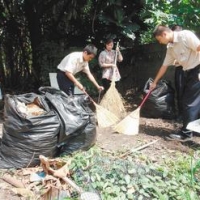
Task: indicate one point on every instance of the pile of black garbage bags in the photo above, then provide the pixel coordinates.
(161, 101)
(65, 125)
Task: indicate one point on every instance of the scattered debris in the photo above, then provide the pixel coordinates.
(42, 182)
(31, 109)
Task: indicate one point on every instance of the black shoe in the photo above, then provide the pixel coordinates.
(182, 136)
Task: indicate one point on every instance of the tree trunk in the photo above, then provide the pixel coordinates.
(33, 18)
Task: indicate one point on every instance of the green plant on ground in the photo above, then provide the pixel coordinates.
(123, 179)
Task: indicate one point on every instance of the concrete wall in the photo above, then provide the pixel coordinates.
(141, 63)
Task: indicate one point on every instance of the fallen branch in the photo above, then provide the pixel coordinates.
(16, 183)
(138, 148)
(61, 172)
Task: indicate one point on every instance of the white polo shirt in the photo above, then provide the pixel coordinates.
(184, 50)
(74, 63)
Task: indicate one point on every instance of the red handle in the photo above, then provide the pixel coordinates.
(145, 98)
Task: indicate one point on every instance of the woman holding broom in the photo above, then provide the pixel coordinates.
(112, 99)
(107, 61)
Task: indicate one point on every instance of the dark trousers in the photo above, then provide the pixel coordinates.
(64, 83)
(191, 96)
(179, 86)
(106, 84)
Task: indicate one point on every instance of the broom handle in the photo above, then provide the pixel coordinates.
(116, 53)
(115, 62)
(145, 98)
(99, 97)
(90, 98)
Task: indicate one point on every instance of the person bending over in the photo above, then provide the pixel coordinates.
(72, 64)
(184, 47)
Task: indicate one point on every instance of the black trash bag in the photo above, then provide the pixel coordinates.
(82, 139)
(25, 137)
(161, 102)
(78, 121)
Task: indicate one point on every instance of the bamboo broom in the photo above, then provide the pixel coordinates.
(105, 118)
(130, 124)
(112, 100)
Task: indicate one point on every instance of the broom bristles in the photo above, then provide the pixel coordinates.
(104, 117)
(113, 101)
(130, 124)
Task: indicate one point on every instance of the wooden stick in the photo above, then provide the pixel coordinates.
(60, 173)
(16, 183)
(31, 159)
(72, 184)
(139, 148)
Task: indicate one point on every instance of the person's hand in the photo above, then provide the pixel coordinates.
(152, 86)
(100, 88)
(117, 49)
(113, 65)
(176, 62)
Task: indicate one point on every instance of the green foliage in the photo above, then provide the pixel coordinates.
(184, 13)
(118, 20)
(27, 27)
(32, 31)
(187, 13)
(49, 55)
(115, 178)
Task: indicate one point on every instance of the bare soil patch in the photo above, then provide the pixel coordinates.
(150, 130)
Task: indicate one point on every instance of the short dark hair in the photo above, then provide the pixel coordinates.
(90, 49)
(176, 27)
(160, 29)
(109, 40)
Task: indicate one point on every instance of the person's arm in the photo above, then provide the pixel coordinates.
(108, 65)
(92, 79)
(198, 48)
(74, 80)
(119, 55)
(159, 75)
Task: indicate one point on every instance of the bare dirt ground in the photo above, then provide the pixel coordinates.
(150, 130)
